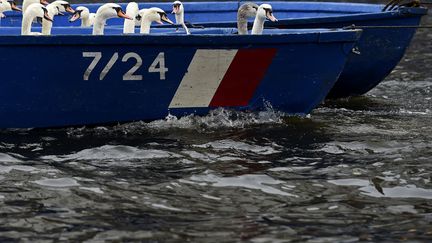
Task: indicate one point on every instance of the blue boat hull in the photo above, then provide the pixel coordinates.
(381, 49)
(54, 81)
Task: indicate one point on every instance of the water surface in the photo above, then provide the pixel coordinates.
(356, 169)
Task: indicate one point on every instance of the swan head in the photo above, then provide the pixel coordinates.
(63, 6)
(248, 10)
(9, 5)
(177, 8)
(111, 10)
(38, 11)
(80, 12)
(154, 14)
(265, 11)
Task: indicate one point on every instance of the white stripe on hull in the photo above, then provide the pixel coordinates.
(203, 77)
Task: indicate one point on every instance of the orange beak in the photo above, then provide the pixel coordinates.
(15, 7)
(74, 17)
(70, 10)
(165, 19)
(47, 17)
(270, 17)
(123, 15)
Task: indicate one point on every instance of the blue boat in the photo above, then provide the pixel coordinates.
(69, 80)
(379, 49)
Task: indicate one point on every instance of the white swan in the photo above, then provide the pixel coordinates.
(178, 10)
(107, 11)
(132, 11)
(55, 8)
(33, 11)
(247, 10)
(147, 16)
(7, 5)
(83, 13)
(27, 3)
(264, 12)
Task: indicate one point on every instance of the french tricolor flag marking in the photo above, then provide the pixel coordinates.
(222, 78)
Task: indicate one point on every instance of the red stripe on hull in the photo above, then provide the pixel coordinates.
(243, 77)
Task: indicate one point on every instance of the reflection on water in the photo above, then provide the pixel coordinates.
(357, 169)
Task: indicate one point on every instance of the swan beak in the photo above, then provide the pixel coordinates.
(176, 9)
(75, 16)
(122, 14)
(47, 17)
(165, 19)
(14, 7)
(271, 17)
(69, 9)
(44, 2)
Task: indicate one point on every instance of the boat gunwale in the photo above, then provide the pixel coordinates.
(222, 40)
(402, 13)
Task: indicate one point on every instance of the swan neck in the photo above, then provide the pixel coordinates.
(85, 21)
(242, 24)
(258, 26)
(47, 25)
(25, 4)
(26, 24)
(145, 26)
(179, 18)
(129, 26)
(186, 28)
(99, 25)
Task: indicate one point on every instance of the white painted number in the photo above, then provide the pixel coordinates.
(108, 67)
(97, 56)
(158, 65)
(160, 59)
(130, 74)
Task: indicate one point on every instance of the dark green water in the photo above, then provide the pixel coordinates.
(357, 169)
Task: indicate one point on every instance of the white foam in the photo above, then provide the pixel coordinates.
(92, 189)
(161, 206)
(219, 118)
(235, 145)
(211, 197)
(291, 169)
(398, 209)
(256, 182)
(406, 191)
(6, 158)
(59, 182)
(111, 152)
(24, 168)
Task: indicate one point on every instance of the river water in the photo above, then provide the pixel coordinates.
(356, 169)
